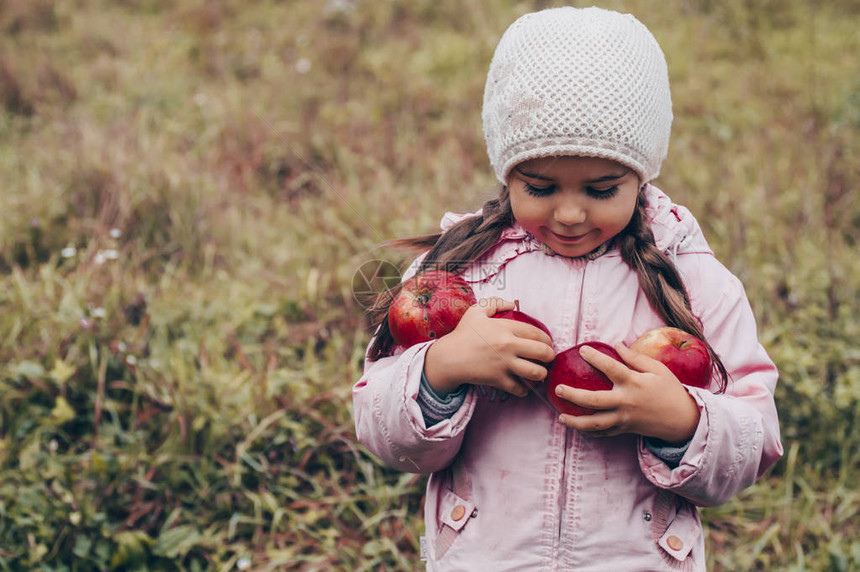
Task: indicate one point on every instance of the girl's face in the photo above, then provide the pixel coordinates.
(573, 204)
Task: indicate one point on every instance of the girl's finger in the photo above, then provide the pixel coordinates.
(614, 369)
(596, 425)
(494, 305)
(599, 400)
(529, 332)
(537, 350)
(516, 387)
(529, 370)
(639, 362)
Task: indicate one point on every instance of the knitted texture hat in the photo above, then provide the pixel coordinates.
(570, 81)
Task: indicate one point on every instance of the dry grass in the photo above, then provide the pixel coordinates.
(188, 188)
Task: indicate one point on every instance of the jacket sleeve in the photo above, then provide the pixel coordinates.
(737, 438)
(389, 422)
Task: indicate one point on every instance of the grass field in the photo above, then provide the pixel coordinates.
(188, 188)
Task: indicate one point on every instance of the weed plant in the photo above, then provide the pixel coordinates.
(188, 189)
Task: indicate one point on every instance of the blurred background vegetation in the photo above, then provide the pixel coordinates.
(189, 186)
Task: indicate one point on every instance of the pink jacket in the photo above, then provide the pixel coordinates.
(513, 489)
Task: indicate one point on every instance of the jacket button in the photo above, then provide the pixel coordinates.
(458, 512)
(675, 543)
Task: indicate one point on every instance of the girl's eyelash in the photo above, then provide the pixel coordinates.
(601, 194)
(539, 191)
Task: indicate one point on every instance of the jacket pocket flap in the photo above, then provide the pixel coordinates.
(455, 511)
(680, 537)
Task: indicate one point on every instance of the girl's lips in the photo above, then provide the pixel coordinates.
(569, 239)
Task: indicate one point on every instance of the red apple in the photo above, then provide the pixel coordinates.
(428, 306)
(569, 368)
(519, 316)
(683, 353)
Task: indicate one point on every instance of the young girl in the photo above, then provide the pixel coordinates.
(577, 114)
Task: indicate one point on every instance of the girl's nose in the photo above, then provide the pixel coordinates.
(569, 212)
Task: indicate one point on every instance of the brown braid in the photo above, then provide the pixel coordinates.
(452, 250)
(661, 282)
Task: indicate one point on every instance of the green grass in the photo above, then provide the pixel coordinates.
(188, 188)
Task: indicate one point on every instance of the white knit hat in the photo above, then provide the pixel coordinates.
(570, 81)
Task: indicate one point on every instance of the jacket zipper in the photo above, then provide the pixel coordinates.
(579, 310)
(567, 430)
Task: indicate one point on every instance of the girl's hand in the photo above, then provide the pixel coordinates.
(647, 399)
(485, 351)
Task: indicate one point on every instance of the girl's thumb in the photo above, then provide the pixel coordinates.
(494, 305)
